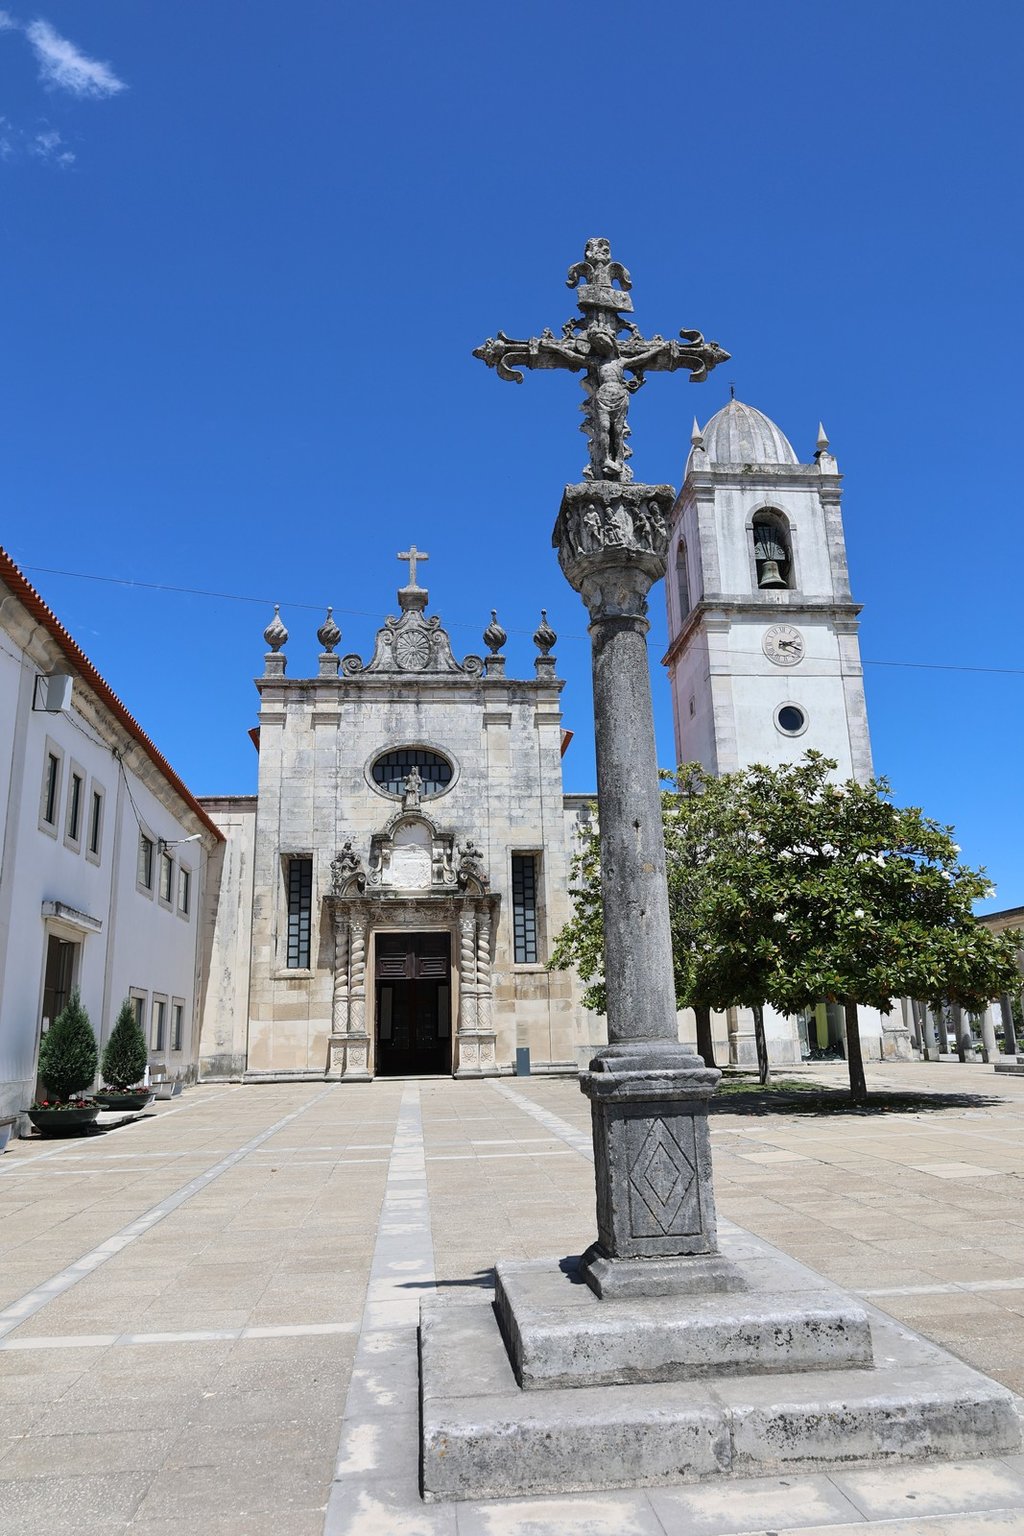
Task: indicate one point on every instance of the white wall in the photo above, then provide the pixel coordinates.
(50, 885)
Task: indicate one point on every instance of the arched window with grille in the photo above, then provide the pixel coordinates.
(682, 580)
(773, 557)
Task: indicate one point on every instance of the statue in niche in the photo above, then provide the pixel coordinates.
(413, 791)
(471, 865)
(345, 867)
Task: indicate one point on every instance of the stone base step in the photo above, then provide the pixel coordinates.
(560, 1334)
(483, 1437)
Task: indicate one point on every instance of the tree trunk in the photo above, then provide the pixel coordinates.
(854, 1057)
(764, 1075)
(705, 1044)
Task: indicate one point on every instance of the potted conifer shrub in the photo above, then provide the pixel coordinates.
(123, 1064)
(67, 1066)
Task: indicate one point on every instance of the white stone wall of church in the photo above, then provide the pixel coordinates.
(227, 922)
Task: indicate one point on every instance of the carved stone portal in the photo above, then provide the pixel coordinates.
(470, 917)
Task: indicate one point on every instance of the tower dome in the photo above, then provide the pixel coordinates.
(739, 434)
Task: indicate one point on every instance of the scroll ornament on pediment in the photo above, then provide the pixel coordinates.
(412, 643)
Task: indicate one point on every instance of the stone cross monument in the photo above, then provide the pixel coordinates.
(648, 1093)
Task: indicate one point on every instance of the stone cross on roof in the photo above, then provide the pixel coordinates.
(591, 345)
(412, 554)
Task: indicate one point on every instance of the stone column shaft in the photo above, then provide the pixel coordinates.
(637, 929)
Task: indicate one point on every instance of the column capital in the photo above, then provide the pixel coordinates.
(612, 541)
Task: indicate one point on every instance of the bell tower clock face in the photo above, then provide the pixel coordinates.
(783, 645)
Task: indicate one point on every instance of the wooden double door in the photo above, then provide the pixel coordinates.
(413, 1004)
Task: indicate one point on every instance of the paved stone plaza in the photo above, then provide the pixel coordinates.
(209, 1315)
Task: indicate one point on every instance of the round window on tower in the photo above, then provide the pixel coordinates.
(390, 772)
(790, 719)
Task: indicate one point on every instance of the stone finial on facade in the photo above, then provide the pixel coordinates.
(544, 636)
(494, 639)
(276, 637)
(696, 436)
(329, 634)
(494, 635)
(822, 457)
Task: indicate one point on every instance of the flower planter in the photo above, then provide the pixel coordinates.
(64, 1122)
(116, 1098)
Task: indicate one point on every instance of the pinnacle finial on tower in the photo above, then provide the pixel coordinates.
(696, 436)
(822, 444)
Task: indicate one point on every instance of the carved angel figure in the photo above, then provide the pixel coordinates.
(471, 865)
(346, 866)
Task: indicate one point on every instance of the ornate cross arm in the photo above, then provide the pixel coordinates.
(506, 356)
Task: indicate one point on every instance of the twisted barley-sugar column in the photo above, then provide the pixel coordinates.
(357, 1004)
(467, 971)
(340, 1000)
(483, 969)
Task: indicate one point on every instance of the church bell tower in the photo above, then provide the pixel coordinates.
(763, 654)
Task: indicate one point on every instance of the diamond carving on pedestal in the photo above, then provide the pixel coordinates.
(662, 1176)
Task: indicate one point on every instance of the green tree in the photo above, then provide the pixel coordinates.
(67, 1055)
(788, 888)
(125, 1054)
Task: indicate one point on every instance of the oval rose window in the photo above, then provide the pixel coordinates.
(391, 770)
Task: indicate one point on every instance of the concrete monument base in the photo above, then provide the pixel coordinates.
(560, 1334)
(483, 1436)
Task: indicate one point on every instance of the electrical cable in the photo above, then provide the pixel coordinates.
(237, 597)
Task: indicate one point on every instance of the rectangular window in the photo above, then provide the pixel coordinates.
(75, 808)
(166, 876)
(300, 912)
(159, 1012)
(51, 789)
(177, 1025)
(139, 1008)
(95, 822)
(144, 875)
(524, 908)
(184, 891)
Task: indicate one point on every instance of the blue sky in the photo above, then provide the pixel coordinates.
(248, 250)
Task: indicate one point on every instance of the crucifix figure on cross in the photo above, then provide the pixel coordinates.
(594, 345)
(412, 554)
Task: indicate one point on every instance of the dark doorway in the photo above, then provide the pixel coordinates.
(59, 975)
(414, 1010)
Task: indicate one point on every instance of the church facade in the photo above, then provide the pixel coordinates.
(387, 901)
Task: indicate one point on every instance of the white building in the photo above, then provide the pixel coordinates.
(103, 855)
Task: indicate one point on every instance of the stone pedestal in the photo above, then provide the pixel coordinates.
(652, 1155)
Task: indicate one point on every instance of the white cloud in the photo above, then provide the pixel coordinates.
(42, 144)
(48, 145)
(7, 22)
(62, 65)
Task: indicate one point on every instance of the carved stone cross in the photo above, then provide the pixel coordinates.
(412, 554)
(591, 345)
